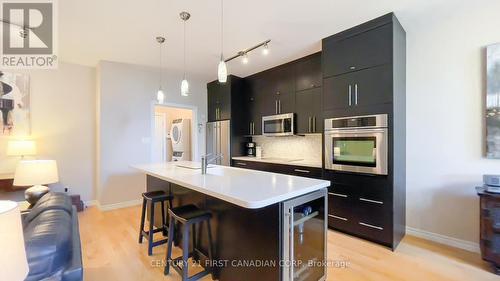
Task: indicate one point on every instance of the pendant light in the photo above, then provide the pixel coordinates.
(160, 96)
(184, 84)
(222, 68)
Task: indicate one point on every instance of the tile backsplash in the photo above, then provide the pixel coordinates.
(293, 147)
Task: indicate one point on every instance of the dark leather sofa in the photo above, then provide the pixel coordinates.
(52, 239)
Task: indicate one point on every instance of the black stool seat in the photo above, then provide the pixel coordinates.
(189, 216)
(154, 197)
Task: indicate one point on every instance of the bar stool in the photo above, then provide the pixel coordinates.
(189, 216)
(154, 197)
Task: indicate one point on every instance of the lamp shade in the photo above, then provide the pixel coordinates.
(13, 262)
(35, 172)
(21, 148)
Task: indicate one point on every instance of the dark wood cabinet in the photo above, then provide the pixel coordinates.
(489, 227)
(219, 100)
(293, 170)
(309, 111)
(363, 88)
(345, 53)
(308, 72)
(364, 73)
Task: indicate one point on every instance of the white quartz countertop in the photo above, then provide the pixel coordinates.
(283, 161)
(243, 187)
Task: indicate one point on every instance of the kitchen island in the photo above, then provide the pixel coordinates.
(266, 226)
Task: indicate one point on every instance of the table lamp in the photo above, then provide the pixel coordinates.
(21, 148)
(13, 262)
(35, 173)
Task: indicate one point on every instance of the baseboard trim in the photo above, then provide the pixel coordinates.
(120, 205)
(91, 203)
(443, 239)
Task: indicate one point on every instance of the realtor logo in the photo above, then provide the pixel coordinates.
(28, 34)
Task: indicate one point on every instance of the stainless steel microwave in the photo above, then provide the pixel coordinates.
(278, 125)
(357, 144)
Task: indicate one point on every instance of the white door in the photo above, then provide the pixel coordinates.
(160, 138)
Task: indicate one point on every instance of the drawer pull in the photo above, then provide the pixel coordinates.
(302, 171)
(338, 194)
(371, 226)
(371, 201)
(337, 217)
(241, 164)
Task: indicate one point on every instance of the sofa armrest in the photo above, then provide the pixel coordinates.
(74, 269)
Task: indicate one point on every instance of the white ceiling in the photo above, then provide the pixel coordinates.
(124, 31)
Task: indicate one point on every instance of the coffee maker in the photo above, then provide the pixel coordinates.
(250, 149)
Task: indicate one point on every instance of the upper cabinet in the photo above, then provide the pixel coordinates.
(220, 101)
(308, 72)
(363, 67)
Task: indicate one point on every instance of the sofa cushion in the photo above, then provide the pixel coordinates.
(50, 201)
(48, 241)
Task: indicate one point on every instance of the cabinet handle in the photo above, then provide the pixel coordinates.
(350, 95)
(302, 171)
(253, 128)
(338, 194)
(241, 163)
(250, 128)
(276, 106)
(371, 201)
(371, 226)
(279, 106)
(337, 217)
(356, 94)
(309, 124)
(314, 124)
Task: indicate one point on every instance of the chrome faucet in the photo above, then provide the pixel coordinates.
(205, 161)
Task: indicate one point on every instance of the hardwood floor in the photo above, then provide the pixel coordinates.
(111, 252)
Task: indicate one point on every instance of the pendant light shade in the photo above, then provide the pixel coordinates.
(160, 96)
(222, 71)
(184, 88)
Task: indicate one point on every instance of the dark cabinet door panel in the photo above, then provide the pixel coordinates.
(357, 52)
(282, 79)
(338, 92)
(372, 86)
(286, 103)
(308, 73)
(309, 111)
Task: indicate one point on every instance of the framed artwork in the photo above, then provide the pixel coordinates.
(15, 104)
(493, 101)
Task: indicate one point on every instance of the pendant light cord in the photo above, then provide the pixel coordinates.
(222, 30)
(161, 66)
(184, 49)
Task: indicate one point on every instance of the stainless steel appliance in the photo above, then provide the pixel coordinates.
(278, 125)
(304, 237)
(219, 141)
(357, 144)
(250, 149)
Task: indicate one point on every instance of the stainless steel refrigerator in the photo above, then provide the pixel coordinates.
(219, 141)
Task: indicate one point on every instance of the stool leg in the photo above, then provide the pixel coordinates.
(163, 219)
(151, 226)
(168, 256)
(143, 217)
(210, 255)
(185, 251)
(195, 254)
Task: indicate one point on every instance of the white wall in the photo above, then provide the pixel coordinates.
(126, 95)
(445, 109)
(63, 125)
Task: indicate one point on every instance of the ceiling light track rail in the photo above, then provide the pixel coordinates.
(244, 52)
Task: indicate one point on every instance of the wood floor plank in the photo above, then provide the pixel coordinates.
(111, 252)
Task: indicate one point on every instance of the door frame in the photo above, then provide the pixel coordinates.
(195, 129)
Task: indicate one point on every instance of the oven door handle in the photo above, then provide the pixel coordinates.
(356, 131)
